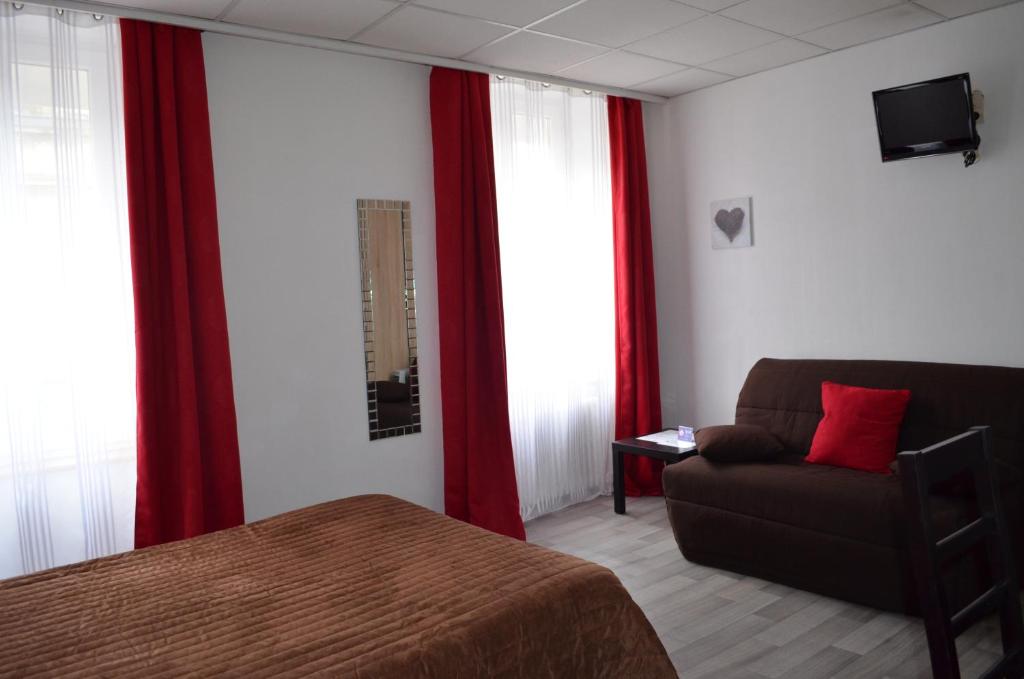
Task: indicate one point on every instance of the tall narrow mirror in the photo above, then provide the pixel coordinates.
(389, 317)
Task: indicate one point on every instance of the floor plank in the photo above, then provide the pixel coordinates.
(716, 623)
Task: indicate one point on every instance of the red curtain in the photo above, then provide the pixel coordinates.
(189, 481)
(637, 384)
(479, 472)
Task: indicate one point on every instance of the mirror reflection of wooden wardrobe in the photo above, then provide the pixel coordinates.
(389, 317)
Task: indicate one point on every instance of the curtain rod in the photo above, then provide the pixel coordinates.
(329, 44)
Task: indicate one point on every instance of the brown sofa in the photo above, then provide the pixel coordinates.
(837, 531)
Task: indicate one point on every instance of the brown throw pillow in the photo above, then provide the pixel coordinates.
(737, 443)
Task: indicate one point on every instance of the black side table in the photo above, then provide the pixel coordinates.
(634, 446)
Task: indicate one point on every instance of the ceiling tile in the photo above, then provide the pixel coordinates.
(871, 27)
(799, 16)
(205, 9)
(526, 51)
(785, 51)
(956, 8)
(684, 81)
(703, 40)
(712, 5)
(514, 12)
(413, 29)
(620, 69)
(615, 23)
(325, 18)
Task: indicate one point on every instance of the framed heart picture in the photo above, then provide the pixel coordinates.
(731, 223)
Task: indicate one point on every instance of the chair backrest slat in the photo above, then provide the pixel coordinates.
(951, 457)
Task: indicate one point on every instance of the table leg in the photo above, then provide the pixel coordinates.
(618, 482)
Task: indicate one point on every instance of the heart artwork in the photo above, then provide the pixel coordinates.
(730, 222)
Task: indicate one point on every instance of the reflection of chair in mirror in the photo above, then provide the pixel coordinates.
(389, 317)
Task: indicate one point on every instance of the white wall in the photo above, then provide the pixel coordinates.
(298, 135)
(918, 259)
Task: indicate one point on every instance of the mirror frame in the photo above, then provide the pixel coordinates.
(364, 207)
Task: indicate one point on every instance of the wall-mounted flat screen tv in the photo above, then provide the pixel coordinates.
(926, 118)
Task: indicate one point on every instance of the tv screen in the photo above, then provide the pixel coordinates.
(927, 118)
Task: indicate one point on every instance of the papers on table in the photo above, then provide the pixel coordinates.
(669, 437)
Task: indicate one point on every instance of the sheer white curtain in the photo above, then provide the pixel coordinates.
(67, 362)
(555, 227)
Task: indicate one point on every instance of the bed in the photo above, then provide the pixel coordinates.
(369, 586)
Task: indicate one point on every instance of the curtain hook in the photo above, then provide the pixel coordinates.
(19, 5)
(97, 17)
(545, 84)
(60, 11)
(588, 91)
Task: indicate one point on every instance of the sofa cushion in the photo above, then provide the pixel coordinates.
(737, 443)
(845, 502)
(860, 427)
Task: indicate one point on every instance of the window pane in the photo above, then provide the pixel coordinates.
(555, 225)
(67, 404)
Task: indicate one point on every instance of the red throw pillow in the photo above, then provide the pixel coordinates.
(860, 428)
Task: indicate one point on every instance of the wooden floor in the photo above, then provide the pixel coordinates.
(716, 623)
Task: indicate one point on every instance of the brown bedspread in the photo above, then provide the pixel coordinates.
(369, 586)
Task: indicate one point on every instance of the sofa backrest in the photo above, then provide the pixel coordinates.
(784, 396)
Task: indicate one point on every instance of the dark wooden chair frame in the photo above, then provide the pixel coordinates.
(920, 471)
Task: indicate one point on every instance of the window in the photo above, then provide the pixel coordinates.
(555, 226)
(67, 371)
